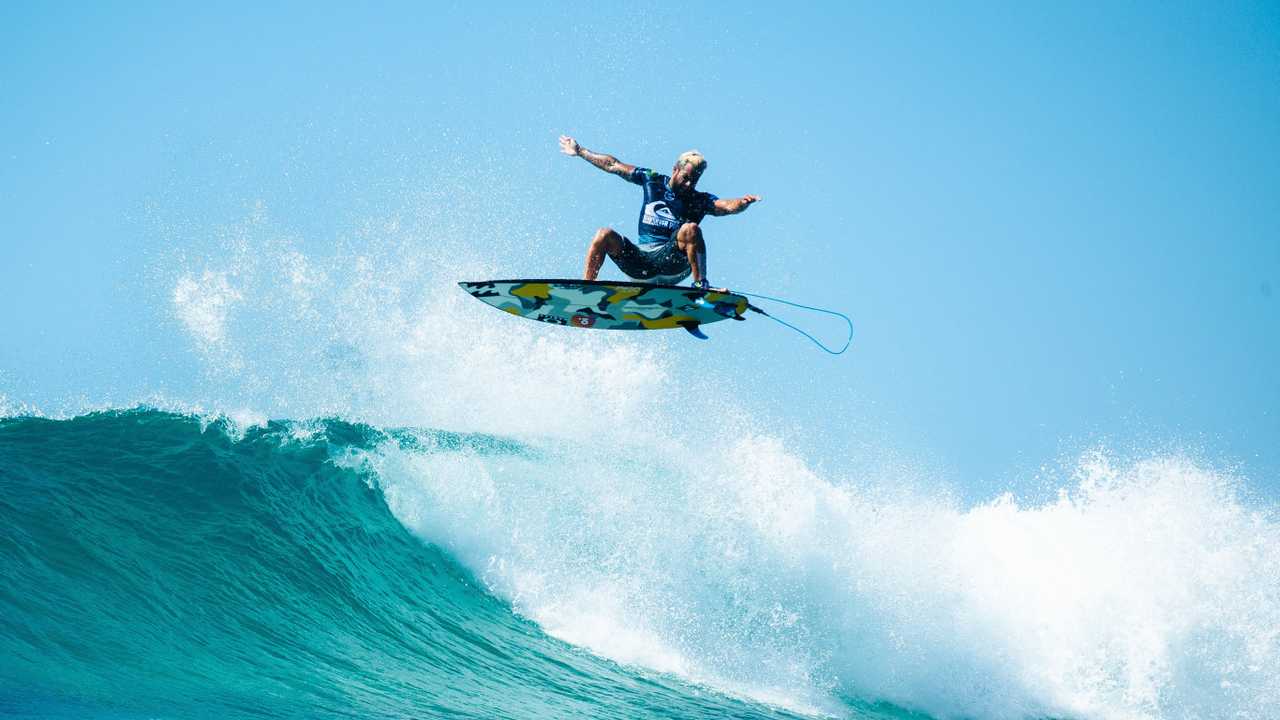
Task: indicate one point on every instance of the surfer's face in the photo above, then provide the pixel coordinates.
(684, 177)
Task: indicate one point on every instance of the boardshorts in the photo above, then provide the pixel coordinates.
(661, 262)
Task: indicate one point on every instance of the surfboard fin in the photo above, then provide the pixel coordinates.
(693, 330)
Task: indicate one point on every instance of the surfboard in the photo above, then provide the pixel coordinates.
(609, 305)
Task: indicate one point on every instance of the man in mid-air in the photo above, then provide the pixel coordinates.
(669, 247)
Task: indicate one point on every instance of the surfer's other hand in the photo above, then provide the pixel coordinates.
(568, 145)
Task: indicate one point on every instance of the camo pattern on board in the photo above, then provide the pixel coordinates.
(608, 306)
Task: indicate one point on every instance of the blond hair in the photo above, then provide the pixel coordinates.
(692, 158)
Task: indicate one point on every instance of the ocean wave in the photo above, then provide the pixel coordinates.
(180, 566)
(161, 563)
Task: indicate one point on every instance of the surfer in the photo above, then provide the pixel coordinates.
(669, 246)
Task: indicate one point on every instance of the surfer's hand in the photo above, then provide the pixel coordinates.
(724, 206)
(569, 146)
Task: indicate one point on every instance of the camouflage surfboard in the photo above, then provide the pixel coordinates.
(607, 305)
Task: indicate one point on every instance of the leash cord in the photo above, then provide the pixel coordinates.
(812, 339)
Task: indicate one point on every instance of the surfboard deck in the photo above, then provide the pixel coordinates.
(609, 305)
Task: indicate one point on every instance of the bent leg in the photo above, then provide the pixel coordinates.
(689, 240)
(605, 242)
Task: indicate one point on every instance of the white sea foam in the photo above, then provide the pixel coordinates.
(1144, 591)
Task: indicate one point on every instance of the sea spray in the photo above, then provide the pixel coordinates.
(663, 528)
(387, 336)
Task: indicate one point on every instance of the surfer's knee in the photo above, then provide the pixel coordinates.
(689, 234)
(605, 237)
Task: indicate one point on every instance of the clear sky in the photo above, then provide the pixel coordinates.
(1056, 226)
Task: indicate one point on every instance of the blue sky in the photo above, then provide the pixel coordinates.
(1054, 227)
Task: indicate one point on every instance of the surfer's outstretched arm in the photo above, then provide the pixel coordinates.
(607, 163)
(734, 206)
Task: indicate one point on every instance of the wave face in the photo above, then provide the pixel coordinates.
(160, 565)
(166, 565)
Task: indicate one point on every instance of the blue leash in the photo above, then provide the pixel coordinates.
(812, 339)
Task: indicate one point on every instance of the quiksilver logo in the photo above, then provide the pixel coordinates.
(657, 213)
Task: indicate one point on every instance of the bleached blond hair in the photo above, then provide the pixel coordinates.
(693, 158)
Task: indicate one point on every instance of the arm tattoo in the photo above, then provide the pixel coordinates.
(608, 163)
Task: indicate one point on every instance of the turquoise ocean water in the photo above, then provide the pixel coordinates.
(160, 564)
(157, 566)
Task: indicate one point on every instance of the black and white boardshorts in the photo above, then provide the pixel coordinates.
(661, 262)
